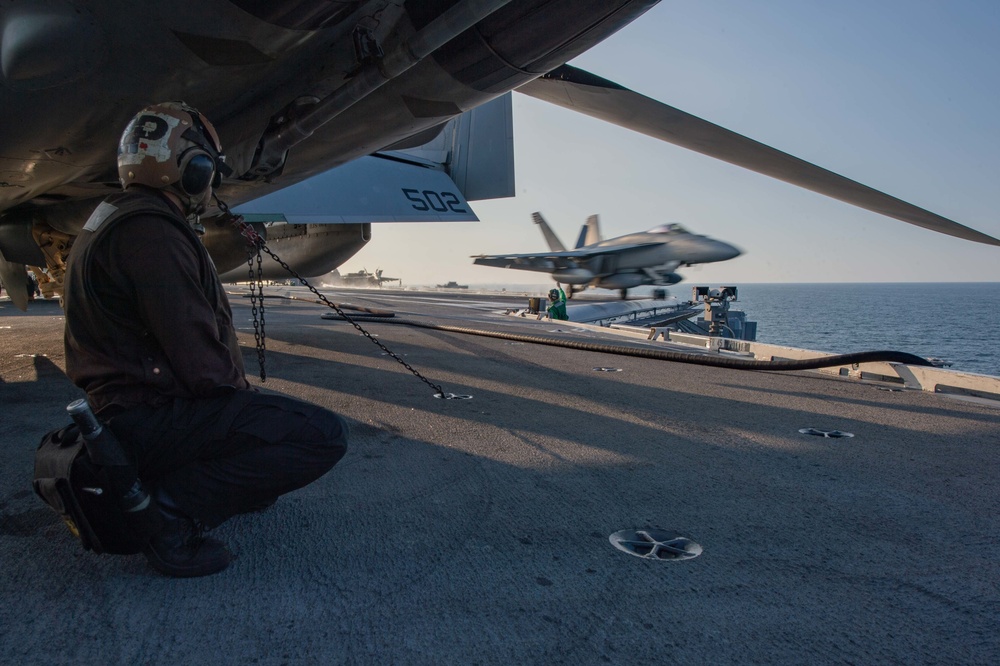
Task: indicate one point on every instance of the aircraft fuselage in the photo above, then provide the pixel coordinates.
(75, 71)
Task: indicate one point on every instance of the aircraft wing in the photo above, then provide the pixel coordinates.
(552, 261)
(587, 93)
(521, 262)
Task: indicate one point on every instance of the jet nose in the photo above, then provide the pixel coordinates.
(726, 251)
(708, 250)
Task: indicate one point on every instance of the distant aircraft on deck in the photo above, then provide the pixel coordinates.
(363, 278)
(647, 257)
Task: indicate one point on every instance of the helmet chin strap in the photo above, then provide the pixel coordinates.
(194, 221)
(193, 209)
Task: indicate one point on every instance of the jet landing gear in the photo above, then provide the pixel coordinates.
(623, 293)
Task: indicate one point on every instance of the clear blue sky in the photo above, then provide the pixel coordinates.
(903, 96)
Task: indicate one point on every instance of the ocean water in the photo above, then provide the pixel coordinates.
(956, 322)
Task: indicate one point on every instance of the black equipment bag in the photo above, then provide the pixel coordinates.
(67, 480)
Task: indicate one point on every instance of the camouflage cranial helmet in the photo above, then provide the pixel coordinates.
(173, 147)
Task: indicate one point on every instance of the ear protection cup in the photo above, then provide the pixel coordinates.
(198, 171)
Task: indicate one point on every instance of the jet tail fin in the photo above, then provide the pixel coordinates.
(593, 227)
(581, 240)
(554, 243)
(476, 149)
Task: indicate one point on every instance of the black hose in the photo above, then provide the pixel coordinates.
(887, 356)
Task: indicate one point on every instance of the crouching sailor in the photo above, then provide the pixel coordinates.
(149, 336)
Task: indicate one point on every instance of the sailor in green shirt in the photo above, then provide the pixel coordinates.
(557, 303)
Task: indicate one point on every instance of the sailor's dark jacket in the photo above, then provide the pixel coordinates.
(147, 319)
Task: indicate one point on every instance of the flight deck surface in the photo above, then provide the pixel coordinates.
(477, 531)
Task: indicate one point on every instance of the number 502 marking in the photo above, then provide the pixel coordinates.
(441, 202)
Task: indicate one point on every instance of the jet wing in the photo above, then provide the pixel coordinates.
(587, 93)
(552, 261)
(521, 262)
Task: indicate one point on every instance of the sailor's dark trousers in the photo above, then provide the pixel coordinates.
(218, 457)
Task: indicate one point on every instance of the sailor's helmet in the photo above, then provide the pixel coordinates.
(171, 146)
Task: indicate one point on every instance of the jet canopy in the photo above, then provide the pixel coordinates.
(672, 228)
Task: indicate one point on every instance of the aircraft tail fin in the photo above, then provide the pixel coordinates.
(593, 227)
(429, 177)
(476, 149)
(550, 237)
(590, 233)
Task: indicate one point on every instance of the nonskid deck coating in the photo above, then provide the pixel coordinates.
(477, 531)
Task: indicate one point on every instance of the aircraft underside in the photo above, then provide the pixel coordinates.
(294, 89)
(310, 249)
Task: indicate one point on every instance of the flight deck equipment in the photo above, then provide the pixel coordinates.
(655, 544)
(716, 306)
(256, 246)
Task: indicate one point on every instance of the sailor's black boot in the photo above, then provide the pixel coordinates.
(180, 550)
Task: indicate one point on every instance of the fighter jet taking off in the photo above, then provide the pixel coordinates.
(646, 257)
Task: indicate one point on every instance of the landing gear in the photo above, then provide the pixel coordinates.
(624, 294)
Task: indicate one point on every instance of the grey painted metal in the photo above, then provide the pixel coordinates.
(583, 92)
(373, 75)
(476, 149)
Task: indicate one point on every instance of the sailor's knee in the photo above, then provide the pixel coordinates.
(331, 435)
